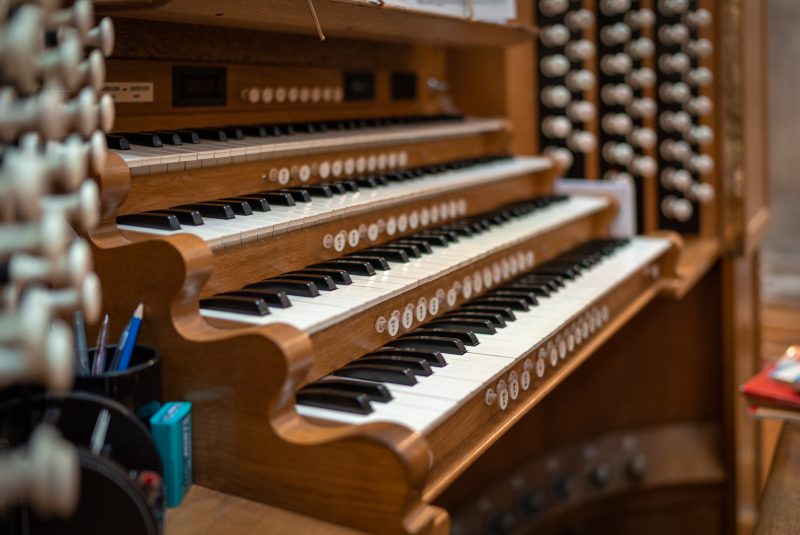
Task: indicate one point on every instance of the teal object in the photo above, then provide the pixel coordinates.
(171, 428)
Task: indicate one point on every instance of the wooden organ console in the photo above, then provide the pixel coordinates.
(356, 268)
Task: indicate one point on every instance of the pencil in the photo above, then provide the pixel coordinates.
(133, 323)
(81, 350)
(100, 348)
(130, 339)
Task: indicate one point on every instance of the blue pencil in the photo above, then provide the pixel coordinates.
(127, 341)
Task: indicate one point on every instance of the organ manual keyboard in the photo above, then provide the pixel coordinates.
(351, 256)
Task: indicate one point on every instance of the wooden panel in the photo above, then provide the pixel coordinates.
(778, 511)
(338, 18)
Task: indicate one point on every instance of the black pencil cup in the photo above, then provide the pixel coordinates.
(138, 388)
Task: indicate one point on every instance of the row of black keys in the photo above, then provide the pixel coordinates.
(255, 299)
(244, 205)
(422, 350)
(159, 138)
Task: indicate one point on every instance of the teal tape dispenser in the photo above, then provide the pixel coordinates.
(171, 428)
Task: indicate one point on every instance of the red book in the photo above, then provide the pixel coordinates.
(763, 390)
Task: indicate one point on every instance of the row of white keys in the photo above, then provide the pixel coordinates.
(219, 233)
(209, 152)
(403, 277)
(495, 352)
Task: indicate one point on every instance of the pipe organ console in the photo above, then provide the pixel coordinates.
(356, 268)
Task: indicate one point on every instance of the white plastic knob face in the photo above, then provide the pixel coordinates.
(674, 92)
(561, 155)
(615, 34)
(641, 19)
(698, 48)
(675, 34)
(582, 141)
(54, 484)
(613, 94)
(578, 20)
(702, 192)
(698, 77)
(102, 37)
(551, 8)
(702, 164)
(640, 48)
(673, 7)
(581, 111)
(557, 127)
(580, 50)
(677, 63)
(614, 7)
(556, 96)
(59, 371)
(555, 65)
(613, 64)
(678, 151)
(678, 121)
(678, 209)
(620, 153)
(678, 179)
(617, 123)
(642, 108)
(644, 138)
(645, 166)
(700, 135)
(618, 176)
(580, 80)
(700, 18)
(699, 106)
(641, 78)
(555, 35)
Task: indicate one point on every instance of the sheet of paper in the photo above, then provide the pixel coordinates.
(494, 10)
(455, 8)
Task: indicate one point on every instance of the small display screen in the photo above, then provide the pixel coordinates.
(404, 86)
(199, 86)
(359, 86)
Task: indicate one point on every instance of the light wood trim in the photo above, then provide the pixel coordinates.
(696, 259)
(778, 509)
(338, 18)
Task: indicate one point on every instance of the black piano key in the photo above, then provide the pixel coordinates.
(213, 210)
(297, 194)
(323, 282)
(290, 286)
(510, 302)
(158, 220)
(412, 251)
(336, 400)
(432, 357)
(467, 336)
(461, 230)
(449, 235)
(117, 142)
(275, 197)
(495, 319)
(257, 203)
(146, 139)
(318, 191)
(391, 254)
(564, 273)
(354, 267)
(238, 207)
(233, 132)
(474, 324)
(377, 262)
(539, 289)
(373, 391)
(368, 182)
(254, 130)
(337, 188)
(417, 366)
(348, 185)
(437, 343)
(527, 295)
(252, 306)
(431, 240)
(273, 298)
(212, 134)
(339, 276)
(379, 373)
(186, 217)
(188, 136)
(168, 138)
(505, 312)
(553, 281)
(423, 246)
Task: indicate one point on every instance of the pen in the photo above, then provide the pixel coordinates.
(127, 341)
(81, 351)
(100, 348)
